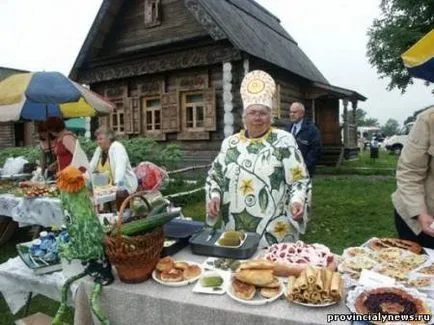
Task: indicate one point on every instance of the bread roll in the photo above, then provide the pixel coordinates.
(258, 278)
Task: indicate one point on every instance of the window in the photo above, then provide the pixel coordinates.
(194, 110)
(118, 119)
(152, 114)
(152, 13)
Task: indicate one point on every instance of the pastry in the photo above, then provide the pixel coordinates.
(274, 284)
(256, 265)
(429, 270)
(258, 278)
(420, 282)
(172, 275)
(243, 290)
(165, 264)
(398, 274)
(389, 301)
(180, 265)
(270, 292)
(191, 272)
(381, 243)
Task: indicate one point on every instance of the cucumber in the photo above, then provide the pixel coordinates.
(147, 224)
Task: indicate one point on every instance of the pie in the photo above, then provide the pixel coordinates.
(180, 265)
(398, 274)
(358, 263)
(389, 301)
(358, 251)
(420, 282)
(260, 278)
(172, 275)
(382, 243)
(191, 272)
(165, 264)
(389, 254)
(243, 290)
(427, 270)
(270, 292)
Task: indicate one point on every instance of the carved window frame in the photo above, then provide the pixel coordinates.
(119, 128)
(153, 110)
(194, 106)
(155, 16)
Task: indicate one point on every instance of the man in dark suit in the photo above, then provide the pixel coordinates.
(307, 136)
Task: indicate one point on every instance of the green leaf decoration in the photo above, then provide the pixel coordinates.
(232, 156)
(245, 221)
(272, 138)
(270, 238)
(266, 156)
(290, 238)
(282, 153)
(263, 199)
(276, 178)
(255, 147)
(218, 168)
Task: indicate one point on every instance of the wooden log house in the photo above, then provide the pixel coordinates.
(174, 68)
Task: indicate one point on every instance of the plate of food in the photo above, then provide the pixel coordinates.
(255, 284)
(315, 287)
(393, 300)
(176, 273)
(212, 282)
(232, 239)
(292, 258)
(377, 244)
(223, 264)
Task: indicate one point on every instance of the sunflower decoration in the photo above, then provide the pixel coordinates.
(297, 173)
(70, 180)
(281, 229)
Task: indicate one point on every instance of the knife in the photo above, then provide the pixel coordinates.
(211, 234)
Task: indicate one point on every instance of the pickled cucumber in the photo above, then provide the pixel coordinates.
(211, 281)
(229, 241)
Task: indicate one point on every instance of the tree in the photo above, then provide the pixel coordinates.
(390, 128)
(363, 120)
(402, 24)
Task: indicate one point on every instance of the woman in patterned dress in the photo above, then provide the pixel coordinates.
(258, 182)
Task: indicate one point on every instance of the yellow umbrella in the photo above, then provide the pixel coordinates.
(419, 59)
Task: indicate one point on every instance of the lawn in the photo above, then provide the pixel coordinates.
(364, 160)
(347, 210)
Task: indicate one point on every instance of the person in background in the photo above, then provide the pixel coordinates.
(64, 143)
(258, 181)
(111, 158)
(46, 146)
(307, 136)
(373, 148)
(413, 199)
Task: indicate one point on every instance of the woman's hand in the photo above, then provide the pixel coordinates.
(426, 221)
(213, 207)
(297, 210)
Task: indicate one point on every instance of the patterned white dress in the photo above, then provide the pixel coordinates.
(256, 181)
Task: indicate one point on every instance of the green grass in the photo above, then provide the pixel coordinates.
(347, 211)
(364, 160)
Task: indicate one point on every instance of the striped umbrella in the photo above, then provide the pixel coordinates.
(419, 59)
(38, 95)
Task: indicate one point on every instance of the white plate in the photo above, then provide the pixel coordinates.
(313, 305)
(156, 277)
(198, 288)
(257, 299)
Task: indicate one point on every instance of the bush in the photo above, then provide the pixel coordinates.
(32, 154)
(139, 149)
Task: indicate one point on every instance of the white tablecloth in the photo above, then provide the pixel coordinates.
(17, 280)
(45, 212)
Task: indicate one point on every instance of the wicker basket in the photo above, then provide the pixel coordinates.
(134, 257)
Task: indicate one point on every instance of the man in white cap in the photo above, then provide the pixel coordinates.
(259, 182)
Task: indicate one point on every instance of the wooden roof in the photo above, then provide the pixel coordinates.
(251, 28)
(246, 24)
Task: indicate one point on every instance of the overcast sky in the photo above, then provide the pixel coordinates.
(47, 35)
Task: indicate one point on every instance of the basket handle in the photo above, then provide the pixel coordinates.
(141, 195)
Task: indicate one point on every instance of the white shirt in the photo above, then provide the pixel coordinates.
(296, 127)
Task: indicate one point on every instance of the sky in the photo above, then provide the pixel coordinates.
(48, 34)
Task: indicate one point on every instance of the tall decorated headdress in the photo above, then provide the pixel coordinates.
(258, 88)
